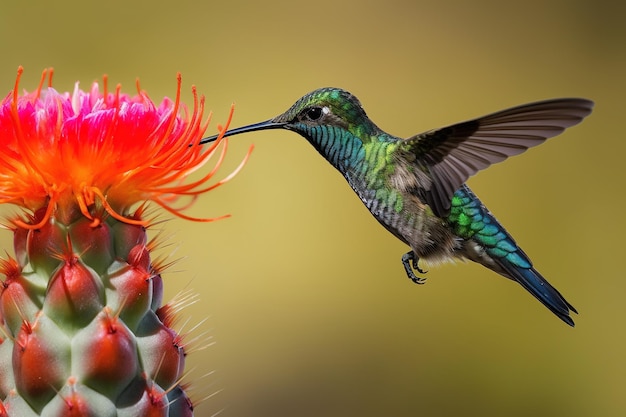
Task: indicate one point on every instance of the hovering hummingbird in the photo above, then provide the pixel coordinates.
(415, 187)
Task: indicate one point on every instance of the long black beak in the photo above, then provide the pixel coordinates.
(268, 124)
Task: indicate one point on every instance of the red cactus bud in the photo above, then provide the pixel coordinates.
(16, 304)
(127, 236)
(146, 401)
(75, 294)
(41, 360)
(139, 258)
(42, 245)
(164, 358)
(105, 355)
(93, 243)
(129, 294)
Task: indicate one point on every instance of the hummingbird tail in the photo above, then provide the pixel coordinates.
(489, 244)
(541, 289)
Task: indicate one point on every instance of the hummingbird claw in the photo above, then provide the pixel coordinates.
(410, 263)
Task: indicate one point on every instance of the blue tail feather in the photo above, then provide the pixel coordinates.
(534, 283)
(498, 251)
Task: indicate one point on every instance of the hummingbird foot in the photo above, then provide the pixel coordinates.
(410, 263)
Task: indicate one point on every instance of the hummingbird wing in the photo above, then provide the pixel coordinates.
(452, 154)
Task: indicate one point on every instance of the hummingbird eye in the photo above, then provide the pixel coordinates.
(314, 114)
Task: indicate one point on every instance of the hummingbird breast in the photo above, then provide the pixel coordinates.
(410, 220)
(387, 188)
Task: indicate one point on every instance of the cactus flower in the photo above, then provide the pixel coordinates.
(83, 331)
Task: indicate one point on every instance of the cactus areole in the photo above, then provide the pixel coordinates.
(83, 331)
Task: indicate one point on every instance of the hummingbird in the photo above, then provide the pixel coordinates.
(415, 187)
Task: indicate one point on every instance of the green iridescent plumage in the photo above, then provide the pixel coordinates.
(416, 188)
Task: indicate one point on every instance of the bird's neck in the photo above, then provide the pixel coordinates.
(341, 148)
(364, 159)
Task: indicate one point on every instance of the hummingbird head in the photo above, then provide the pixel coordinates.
(322, 108)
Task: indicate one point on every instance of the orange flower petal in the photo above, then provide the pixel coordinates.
(101, 151)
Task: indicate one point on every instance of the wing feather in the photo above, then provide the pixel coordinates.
(452, 154)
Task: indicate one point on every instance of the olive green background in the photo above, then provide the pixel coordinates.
(301, 290)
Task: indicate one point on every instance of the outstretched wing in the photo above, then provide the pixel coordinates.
(452, 154)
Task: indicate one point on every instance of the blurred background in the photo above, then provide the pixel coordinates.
(301, 290)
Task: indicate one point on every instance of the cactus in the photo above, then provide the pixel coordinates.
(83, 331)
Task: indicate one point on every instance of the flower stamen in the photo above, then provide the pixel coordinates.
(113, 213)
(49, 210)
(91, 152)
(105, 87)
(41, 81)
